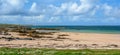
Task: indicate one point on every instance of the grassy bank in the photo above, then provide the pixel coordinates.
(33, 51)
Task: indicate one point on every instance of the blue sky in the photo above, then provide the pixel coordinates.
(60, 12)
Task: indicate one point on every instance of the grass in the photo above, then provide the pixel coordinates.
(36, 51)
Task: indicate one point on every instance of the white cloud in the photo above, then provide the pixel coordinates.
(33, 8)
(54, 19)
(73, 8)
(84, 7)
(107, 9)
(75, 18)
(81, 19)
(94, 11)
(34, 19)
(70, 11)
(111, 11)
(8, 6)
(111, 19)
(22, 19)
(15, 3)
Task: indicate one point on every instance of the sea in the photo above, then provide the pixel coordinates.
(85, 29)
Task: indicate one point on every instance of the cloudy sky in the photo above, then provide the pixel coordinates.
(60, 12)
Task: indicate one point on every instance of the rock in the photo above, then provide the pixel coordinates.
(113, 45)
(24, 39)
(9, 38)
(28, 39)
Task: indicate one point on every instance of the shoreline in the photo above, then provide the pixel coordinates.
(91, 32)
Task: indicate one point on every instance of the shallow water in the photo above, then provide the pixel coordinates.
(85, 29)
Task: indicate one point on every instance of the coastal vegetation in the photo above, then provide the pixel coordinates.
(36, 51)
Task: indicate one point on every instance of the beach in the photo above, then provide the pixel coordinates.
(65, 40)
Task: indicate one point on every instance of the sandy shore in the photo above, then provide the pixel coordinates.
(72, 41)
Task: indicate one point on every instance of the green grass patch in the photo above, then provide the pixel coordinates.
(36, 51)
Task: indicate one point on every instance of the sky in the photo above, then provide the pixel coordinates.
(60, 12)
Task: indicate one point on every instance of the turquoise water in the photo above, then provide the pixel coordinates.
(93, 31)
(85, 29)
